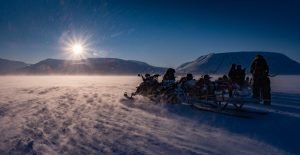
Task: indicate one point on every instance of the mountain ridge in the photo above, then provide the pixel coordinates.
(7, 66)
(213, 63)
(219, 63)
(103, 66)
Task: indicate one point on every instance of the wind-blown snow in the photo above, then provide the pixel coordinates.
(88, 115)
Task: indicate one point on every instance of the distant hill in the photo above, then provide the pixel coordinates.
(9, 66)
(215, 63)
(103, 66)
(220, 63)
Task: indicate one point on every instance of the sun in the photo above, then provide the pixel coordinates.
(77, 49)
(76, 46)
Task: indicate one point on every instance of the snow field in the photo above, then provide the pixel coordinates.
(89, 115)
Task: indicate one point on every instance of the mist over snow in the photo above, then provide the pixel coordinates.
(89, 115)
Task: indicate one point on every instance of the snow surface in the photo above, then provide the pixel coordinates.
(88, 115)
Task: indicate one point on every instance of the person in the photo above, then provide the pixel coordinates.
(232, 73)
(182, 80)
(148, 85)
(188, 82)
(169, 75)
(240, 75)
(222, 83)
(148, 79)
(261, 81)
(168, 81)
(198, 89)
(208, 85)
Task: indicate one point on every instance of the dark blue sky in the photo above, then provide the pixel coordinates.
(164, 33)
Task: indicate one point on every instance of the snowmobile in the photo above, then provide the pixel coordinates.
(148, 88)
(226, 98)
(166, 92)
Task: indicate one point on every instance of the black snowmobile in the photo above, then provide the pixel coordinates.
(148, 88)
(167, 91)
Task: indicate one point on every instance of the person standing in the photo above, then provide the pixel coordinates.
(240, 75)
(232, 73)
(261, 82)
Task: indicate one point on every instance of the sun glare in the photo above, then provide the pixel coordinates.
(77, 49)
(76, 46)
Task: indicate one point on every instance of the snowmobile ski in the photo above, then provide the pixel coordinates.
(185, 103)
(254, 111)
(128, 97)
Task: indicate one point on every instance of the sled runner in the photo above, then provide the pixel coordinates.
(234, 106)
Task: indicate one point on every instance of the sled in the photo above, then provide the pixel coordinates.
(234, 105)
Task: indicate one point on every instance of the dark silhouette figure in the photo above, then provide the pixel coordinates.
(240, 75)
(232, 73)
(208, 85)
(261, 82)
(149, 84)
(188, 77)
(149, 78)
(146, 77)
(188, 83)
(169, 75)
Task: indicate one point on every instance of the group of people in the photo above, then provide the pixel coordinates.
(204, 86)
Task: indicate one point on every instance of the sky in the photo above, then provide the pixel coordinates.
(160, 32)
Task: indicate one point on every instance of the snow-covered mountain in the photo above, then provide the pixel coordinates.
(8, 66)
(111, 66)
(220, 63)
